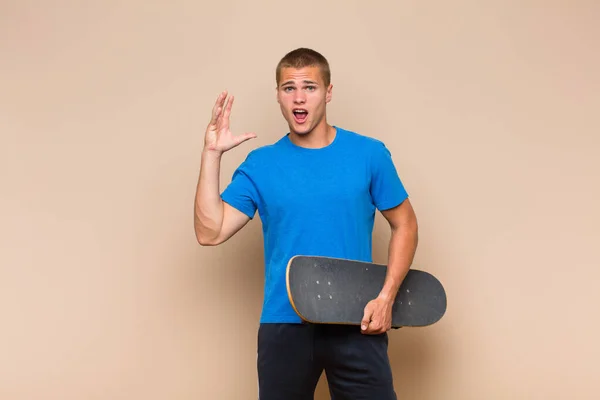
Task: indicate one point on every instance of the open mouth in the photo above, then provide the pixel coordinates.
(300, 115)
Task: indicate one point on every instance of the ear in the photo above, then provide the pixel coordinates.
(277, 94)
(329, 93)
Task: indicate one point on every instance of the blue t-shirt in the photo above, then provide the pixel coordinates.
(313, 202)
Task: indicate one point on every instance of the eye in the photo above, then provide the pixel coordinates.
(287, 89)
(311, 88)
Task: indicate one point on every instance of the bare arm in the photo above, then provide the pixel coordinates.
(402, 248)
(214, 220)
(403, 244)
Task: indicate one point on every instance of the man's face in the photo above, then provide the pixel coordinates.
(302, 96)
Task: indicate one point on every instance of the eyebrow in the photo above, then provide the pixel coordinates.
(305, 81)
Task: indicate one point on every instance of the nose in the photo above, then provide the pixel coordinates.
(300, 97)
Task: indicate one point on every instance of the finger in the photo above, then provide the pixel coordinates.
(374, 330)
(224, 116)
(228, 108)
(374, 327)
(366, 320)
(218, 107)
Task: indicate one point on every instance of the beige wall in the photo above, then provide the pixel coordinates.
(490, 110)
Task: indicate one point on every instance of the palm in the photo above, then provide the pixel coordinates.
(218, 135)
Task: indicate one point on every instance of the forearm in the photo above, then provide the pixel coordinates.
(402, 248)
(208, 206)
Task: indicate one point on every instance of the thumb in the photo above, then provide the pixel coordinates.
(246, 136)
(366, 318)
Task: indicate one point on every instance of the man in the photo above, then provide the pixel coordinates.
(316, 190)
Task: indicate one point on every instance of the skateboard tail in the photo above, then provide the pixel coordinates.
(291, 297)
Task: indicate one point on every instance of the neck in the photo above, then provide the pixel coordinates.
(321, 136)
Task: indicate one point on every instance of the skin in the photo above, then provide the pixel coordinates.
(304, 88)
(215, 221)
(377, 316)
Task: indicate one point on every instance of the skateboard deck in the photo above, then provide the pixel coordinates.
(325, 290)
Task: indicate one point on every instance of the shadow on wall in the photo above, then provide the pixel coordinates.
(227, 282)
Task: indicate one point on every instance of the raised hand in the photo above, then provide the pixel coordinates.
(218, 137)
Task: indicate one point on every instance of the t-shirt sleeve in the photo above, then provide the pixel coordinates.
(387, 189)
(241, 193)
